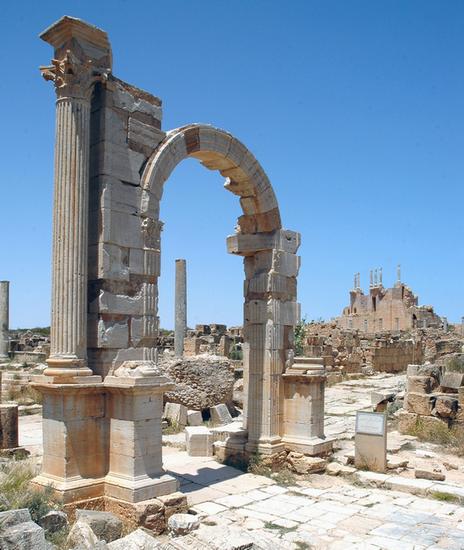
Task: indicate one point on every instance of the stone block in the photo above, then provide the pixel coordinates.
(119, 228)
(446, 406)
(105, 525)
(421, 384)
(54, 521)
(25, 535)
(302, 464)
(82, 537)
(8, 425)
(108, 261)
(117, 161)
(194, 418)
(249, 244)
(107, 302)
(419, 403)
(434, 475)
(176, 414)
(220, 414)
(452, 381)
(199, 441)
(139, 539)
(112, 334)
(181, 524)
(144, 137)
(114, 194)
(124, 99)
(112, 127)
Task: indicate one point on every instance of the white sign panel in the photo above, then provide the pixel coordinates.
(370, 423)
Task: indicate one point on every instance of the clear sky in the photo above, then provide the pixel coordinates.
(355, 109)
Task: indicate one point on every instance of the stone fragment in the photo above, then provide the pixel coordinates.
(19, 532)
(394, 463)
(380, 400)
(446, 407)
(8, 425)
(220, 414)
(452, 381)
(421, 384)
(181, 524)
(335, 469)
(302, 464)
(433, 475)
(174, 503)
(199, 441)
(176, 414)
(150, 515)
(54, 521)
(105, 525)
(419, 403)
(201, 381)
(226, 538)
(139, 539)
(194, 418)
(82, 537)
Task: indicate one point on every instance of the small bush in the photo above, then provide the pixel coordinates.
(440, 434)
(456, 364)
(444, 497)
(16, 491)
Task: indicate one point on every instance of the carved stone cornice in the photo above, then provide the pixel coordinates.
(73, 77)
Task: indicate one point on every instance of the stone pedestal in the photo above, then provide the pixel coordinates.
(8, 426)
(4, 318)
(75, 441)
(135, 408)
(303, 425)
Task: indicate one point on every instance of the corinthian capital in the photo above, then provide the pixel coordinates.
(72, 76)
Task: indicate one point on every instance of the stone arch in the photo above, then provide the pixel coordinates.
(216, 150)
(270, 261)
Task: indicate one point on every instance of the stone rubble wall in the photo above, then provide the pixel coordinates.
(350, 351)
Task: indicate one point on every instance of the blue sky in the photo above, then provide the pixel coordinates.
(355, 110)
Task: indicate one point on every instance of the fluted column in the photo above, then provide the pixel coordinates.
(73, 82)
(4, 318)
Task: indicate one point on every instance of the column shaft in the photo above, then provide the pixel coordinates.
(4, 318)
(181, 307)
(70, 237)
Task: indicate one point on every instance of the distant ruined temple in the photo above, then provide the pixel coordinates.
(385, 309)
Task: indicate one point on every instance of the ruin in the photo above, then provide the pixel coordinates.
(102, 386)
(385, 309)
(180, 307)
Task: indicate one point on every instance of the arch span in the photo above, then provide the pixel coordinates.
(218, 150)
(270, 260)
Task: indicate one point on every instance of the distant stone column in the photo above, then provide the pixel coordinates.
(4, 318)
(180, 307)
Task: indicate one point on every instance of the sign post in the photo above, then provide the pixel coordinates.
(371, 441)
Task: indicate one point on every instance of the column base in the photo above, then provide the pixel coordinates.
(312, 446)
(67, 370)
(265, 447)
(139, 489)
(71, 489)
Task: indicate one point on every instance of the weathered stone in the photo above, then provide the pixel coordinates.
(199, 441)
(421, 384)
(4, 319)
(238, 393)
(23, 536)
(105, 525)
(176, 414)
(174, 503)
(434, 475)
(302, 464)
(452, 381)
(194, 418)
(335, 469)
(220, 414)
(181, 524)
(54, 521)
(446, 407)
(8, 426)
(82, 537)
(139, 539)
(201, 382)
(419, 403)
